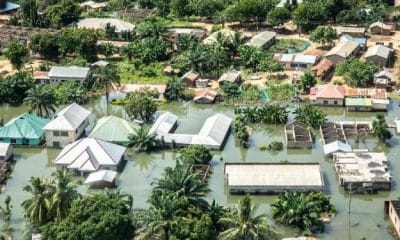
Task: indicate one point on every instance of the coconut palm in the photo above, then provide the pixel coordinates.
(244, 224)
(104, 77)
(64, 194)
(196, 57)
(185, 184)
(41, 100)
(311, 116)
(142, 140)
(274, 113)
(37, 207)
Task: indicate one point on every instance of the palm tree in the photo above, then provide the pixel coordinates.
(142, 140)
(159, 218)
(104, 77)
(37, 207)
(64, 194)
(41, 100)
(196, 57)
(274, 113)
(244, 224)
(185, 184)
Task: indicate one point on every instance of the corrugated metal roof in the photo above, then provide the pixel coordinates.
(24, 126)
(72, 72)
(101, 23)
(343, 49)
(229, 76)
(9, 7)
(101, 176)
(261, 39)
(378, 50)
(164, 123)
(90, 154)
(68, 119)
(113, 129)
(336, 146)
(298, 58)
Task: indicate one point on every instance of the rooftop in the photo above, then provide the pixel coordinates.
(101, 176)
(10, 6)
(165, 123)
(336, 146)
(100, 23)
(127, 88)
(323, 66)
(230, 76)
(273, 176)
(378, 50)
(329, 92)
(69, 118)
(296, 58)
(343, 49)
(259, 40)
(375, 93)
(72, 72)
(4, 148)
(381, 25)
(207, 93)
(341, 30)
(24, 126)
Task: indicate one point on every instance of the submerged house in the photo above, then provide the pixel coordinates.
(89, 155)
(157, 90)
(297, 135)
(114, 129)
(273, 178)
(68, 125)
(101, 179)
(6, 151)
(332, 132)
(392, 211)
(327, 95)
(25, 129)
(362, 171)
(212, 134)
(366, 99)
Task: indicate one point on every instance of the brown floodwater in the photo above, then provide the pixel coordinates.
(365, 220)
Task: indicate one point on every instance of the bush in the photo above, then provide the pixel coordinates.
(195, 154)
(275, 146)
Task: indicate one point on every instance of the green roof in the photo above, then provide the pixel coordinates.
(358, 102)
(113, 129)
(24, 126)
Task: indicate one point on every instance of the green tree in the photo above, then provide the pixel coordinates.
(118, 5)
(251, 57)
(142, 141)
(5, 215)
(309, 14)
(278, 16)
(241, 131)
(63, 13)
(208, 8)
(64, 193)
(13, 89)
(195, 154)
(69, 92)
(273, 114)
(244, 223)
(380, 128)
(103, 215)
(183, 184)
(41, 100)
(37, 207)
(29, 12)
(311, 116)
(175, 89)
(245, 10)
(196, 57)
(302, 211)
(151, 27)
(323, 35)
(307, 81)
(356, 73)
(17, 53)
(111, 34)
(140, 105)
(46, 45)
(105, 78)
(181, 8)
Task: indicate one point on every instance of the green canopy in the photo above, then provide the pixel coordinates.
(113, 129)
(24, 126)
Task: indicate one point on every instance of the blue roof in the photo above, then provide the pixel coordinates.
(9, 7)
(360, 41)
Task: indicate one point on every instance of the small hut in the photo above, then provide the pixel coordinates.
(190, 78)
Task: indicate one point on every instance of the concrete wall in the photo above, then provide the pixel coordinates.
(382, 62)
(379, 31)
(65, 140)
(60, 79)
(394, 218)
(359, 108)
(328, 102)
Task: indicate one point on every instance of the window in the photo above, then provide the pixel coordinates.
(13, 140)
(56, 133)
(1, 139)
(325, 102)
(64, 133)
(335, 102)
(56, 144)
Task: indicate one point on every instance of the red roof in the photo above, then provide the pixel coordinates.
(332, 92)
(323, 66)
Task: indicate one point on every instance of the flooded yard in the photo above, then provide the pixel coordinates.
(366, 217)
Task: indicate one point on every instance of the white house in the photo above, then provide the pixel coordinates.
(72, 73)
(88, 155)
(67, 126)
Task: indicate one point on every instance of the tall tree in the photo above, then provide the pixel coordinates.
(105, 77)
(142, 141)
(309, 14)
(46, 45)
(41, 100)
(140, 105)
(29, 12)
(37, 207)
(311, 116)
(195, 154)
(63, 13)
(380, 128)
(17, 53)
(278, 16)
(175, 89)
(307, 81)
(244, 223)
(64, 193)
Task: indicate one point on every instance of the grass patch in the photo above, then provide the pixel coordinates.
(282, 45)
(131, 72)
(178, 23)
(281, 92)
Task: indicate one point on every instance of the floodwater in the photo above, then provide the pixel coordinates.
(366, 217)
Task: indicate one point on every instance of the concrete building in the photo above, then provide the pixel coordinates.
(362, 171)
(383, 79)
(332, 132)
(297, 135)
(158, 90)
(101, 179)
(6, 151)
(73, 73)
(380, 28)
(273, 178)
(342, 51)
(392, 211)
(89, 155)
(356, 32)
(68, 125)
(296, 61)
(380, 55)
(327, 95)
(91, 5)
(366, 99)
(262, 40)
